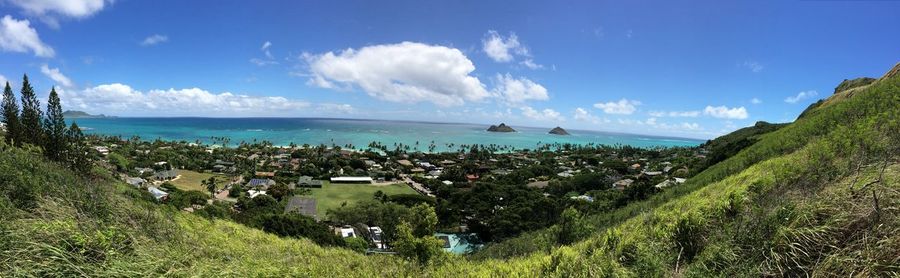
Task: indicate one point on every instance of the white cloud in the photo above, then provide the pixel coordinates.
(269, 60)
(335, 108)
(621, 107)
(70, 8)
(56, 76)
(690, 126)
(119, 98)
(154, 40)
(18, 36)
(406, 72)
(516, 91)
(584, 115)
(265, 49)
(261, 62)
(801, 96)
(500, 49)
(653, 122)
(755, 101)
(528, 63)
(543, 115)
(688, 114)
(753, 66)
(724, 112)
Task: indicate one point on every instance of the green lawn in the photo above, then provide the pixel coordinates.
(191, 180)
(332, 195)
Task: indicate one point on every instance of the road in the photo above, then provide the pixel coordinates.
(417, 186)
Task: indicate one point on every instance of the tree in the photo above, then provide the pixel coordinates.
(572, 227)
(11, 117)
(235, 191)
(77, 153)
(54, 128)
(296, 225)
(423, 250)
(423, 220)
(32, 131)
(211, 185)
(279, 191)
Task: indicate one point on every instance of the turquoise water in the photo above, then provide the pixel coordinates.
(359, 133)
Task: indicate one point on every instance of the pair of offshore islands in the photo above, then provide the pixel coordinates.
(505, 128)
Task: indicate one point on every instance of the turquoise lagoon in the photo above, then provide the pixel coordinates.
(359, 133)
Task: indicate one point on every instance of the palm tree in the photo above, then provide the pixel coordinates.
(211, 185)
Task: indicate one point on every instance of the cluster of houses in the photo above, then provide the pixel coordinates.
(156, 177)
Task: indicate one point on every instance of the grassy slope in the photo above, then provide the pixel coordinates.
(649, 226)
(333, 195)
(791, 204)
(78, 227)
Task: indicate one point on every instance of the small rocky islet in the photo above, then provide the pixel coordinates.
(500, 128)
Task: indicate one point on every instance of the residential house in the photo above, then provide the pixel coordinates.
(263, 184)
(622, 184)
(165, 175)
(351, 180)
(307, 181)
(405, 163)
(158, 194)
(254, 193)
(136, 182)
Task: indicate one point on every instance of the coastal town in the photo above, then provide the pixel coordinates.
(342, 188)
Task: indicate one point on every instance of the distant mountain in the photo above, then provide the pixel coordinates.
(501, 128)
(74, 114)
(559, 131)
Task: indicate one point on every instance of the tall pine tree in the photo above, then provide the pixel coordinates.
(11, 117)
(77, 151)
(54, 129)
(32, 131)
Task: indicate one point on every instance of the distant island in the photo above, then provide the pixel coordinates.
(559, 131)
(74, 114)
(501, 128)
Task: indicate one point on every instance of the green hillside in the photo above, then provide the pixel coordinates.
(817, 197)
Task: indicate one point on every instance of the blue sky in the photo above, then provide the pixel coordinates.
(697, 69)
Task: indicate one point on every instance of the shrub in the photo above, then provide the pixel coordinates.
(689, 237)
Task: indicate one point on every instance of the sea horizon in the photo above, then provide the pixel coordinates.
(419, 135)
(486, 125)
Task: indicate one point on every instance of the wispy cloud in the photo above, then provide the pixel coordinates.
(660, 114)
(543, 115)
(154, 40)
(755, 101)
(621, 107)
(507, 49)
(801, 96)
(269, 60)
(584, 115)
(753, 66)
(724, 112)
(56, 76)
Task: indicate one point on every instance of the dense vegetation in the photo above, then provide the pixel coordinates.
(818, 197)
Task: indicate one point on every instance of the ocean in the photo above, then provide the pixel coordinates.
(359, 133)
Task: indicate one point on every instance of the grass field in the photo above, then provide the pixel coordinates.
(332, 195)
(191, 180)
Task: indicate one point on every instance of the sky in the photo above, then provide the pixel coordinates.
(694, 69)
